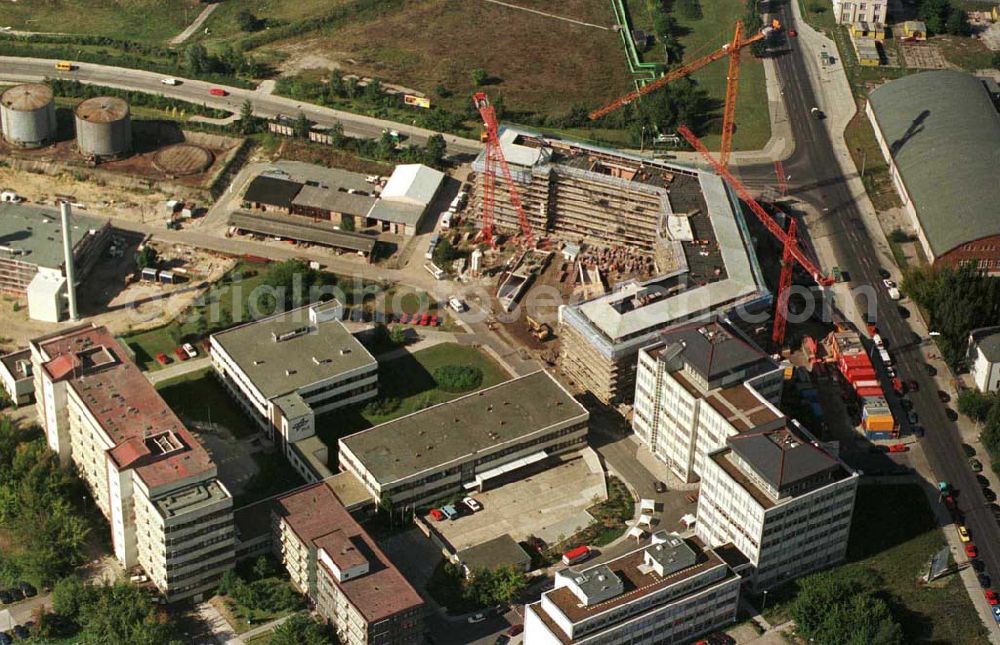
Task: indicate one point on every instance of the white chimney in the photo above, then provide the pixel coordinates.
(68, 253)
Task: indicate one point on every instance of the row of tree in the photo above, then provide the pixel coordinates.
(942, 16)
(44, 527)
(958, 300)
(984, 408)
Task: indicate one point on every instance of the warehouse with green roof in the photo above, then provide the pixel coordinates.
(940, 133)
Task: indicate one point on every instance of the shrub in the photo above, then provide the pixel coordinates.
(458, 378)
(382, 406)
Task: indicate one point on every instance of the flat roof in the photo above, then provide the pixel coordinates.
(414, 184)
(34, 235)
(296, 227)
(782, 457)
(712, 349)
(396, 212)
(637, 580)
(192, 498)
(501, 551)
(943, 131)
(988, 341)
(314, 512)
(146, 433)
(273, 191)
(10, 362)
(285, 352)
(453, 431)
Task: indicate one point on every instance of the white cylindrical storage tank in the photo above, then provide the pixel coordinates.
(103, 127)
(28, 115)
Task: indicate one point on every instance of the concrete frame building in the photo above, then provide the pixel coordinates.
(700, 385)
(17, 377)
(152, 479)
(671, 591)
(984, 358)
(939, 132)
(467, 443)
(354, 585)
(782, 500)
(287, 368)
(849, 12)
(31, 256)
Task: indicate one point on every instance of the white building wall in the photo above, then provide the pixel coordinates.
(849, 12)
(985, 373)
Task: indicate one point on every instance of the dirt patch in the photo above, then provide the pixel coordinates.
(416, 47)
(924, 56)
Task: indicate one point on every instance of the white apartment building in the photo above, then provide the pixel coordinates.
(670, 591)
(152, 479)
(354, 585)
(784, 502)
(701, 384)
(848, 12)
(984, 358)
(286, 369)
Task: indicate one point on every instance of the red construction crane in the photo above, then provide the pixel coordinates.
(779, 171)
(731, 49)
(788, 239)
(494, 157)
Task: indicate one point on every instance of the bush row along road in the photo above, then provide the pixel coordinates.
(16, 69)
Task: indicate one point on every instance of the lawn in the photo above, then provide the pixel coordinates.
(712, 31)
(409, 380)
(538, 64)
(893, 535)
(274, 476)
(200, 397)
(145, 20)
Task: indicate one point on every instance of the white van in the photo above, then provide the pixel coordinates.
(446, 221)
(170, 81)
(458, 306)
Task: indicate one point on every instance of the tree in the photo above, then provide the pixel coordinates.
(458, 378)
(444, 253)
(975, 404)
(956, 24)
(69, 596)
(842, 606)
(443, 92)
(337, 134)
(373, 91)
(196, 59)
(302, 126)
(435, 150)
(397, 335)
(227, 582)
(479, 76)
(247, 21)
(301, 629)
(262, 567)
(146, 257)
(336, 84)
(248, 122)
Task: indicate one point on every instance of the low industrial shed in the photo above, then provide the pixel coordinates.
(293, 228)
(406, 198)
(940, 133)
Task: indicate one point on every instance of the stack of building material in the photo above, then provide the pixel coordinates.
(854, 363)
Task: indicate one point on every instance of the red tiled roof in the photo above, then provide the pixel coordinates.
(126, 405)
(314, 513)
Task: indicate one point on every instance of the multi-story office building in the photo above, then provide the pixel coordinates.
(781, 499)
(849, 12)
(152, 479)
(286, 369)
(699, 385)
(670, 591)
(353, 584)
(466, 443)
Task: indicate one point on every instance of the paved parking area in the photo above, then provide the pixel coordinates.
(548, 504)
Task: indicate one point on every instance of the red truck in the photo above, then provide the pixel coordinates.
(579, 554)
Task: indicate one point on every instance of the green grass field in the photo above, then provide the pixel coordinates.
(894, 535)
(200, 397)
(410, 380)
(145, 20)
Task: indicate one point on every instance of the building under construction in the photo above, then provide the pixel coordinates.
(687, 220)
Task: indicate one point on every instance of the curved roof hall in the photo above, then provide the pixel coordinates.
(943, 132)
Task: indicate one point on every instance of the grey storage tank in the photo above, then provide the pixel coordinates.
(103, 128)
(28, 115)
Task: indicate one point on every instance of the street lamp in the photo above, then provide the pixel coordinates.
(864, 159)
(763, 603)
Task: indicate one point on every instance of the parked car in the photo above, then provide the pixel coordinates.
(817, 113)
(913, 385)
(5, 638)
(977, 565)
(450, 511)
(931, 370)
(536, 543)
(943, 396)
(991, 597)
(575, 555)
(16, 593)
(963, 534)
(899, 447)
(792, 33)
(162, 358)
(189, 350)
(984, 580)
(951, 414)
(911, 417)
(437, 515)
(21, 632)
(515, 629)
(971, 551)
(989, 495)
(502, 639)
(976, 465)
(27, 589)
(996, 614)
(472, 504)
(660, 487)
(180, 353)
(5, 597)
(476, 618)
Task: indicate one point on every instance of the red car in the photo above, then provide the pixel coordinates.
(949, 501)
(218, 91)
(991, 597)
(404, 318)
(425, 320)
(899, 447)
(793, 33)
(180, 353)
(437, 515)
(162, 358)
(434, 322)
(970, 550)
(913, 386)
(515, 629)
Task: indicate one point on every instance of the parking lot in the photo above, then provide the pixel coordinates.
(549, 504)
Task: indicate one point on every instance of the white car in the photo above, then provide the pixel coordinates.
(457, 305)
(189, 350)
(473, 505)
(170, 81)
(889, 284)
(476, 618)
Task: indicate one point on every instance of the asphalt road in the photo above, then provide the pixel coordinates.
(817, 179)
(265, 105)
